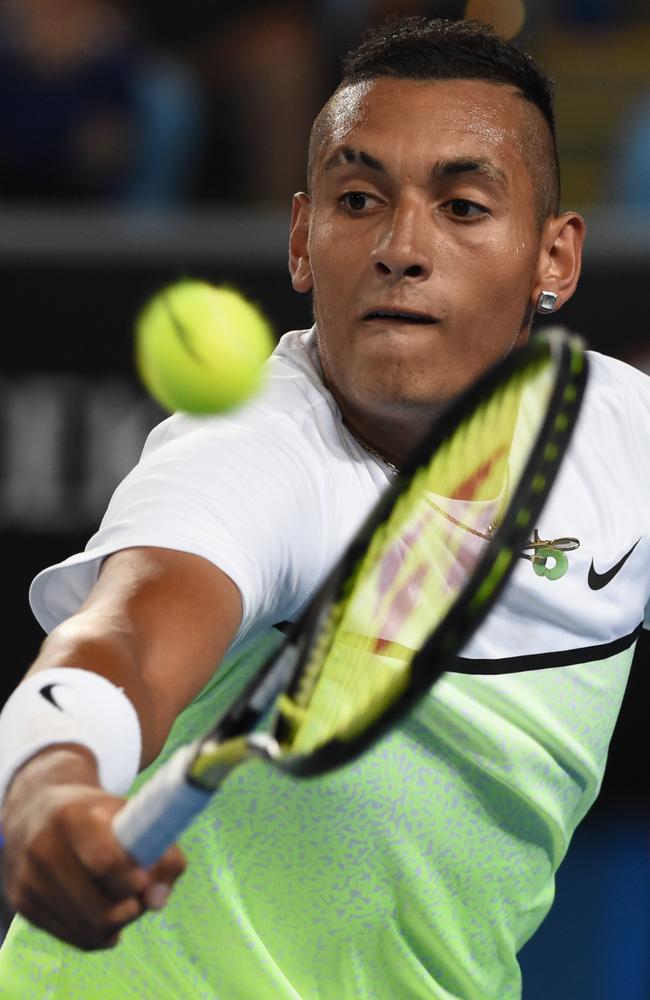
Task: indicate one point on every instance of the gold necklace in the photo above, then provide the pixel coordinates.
(492, 526)
(486, 535)
(377, 454)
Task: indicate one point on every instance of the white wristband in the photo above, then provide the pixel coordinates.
(68, 705)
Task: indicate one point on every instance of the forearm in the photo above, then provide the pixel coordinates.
(62, 764)
(86, 643)
(144, 643)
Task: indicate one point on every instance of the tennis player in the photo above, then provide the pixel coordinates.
(430, 236)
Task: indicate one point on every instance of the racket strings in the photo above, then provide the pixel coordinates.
(418, 562)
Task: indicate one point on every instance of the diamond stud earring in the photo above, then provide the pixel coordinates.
(547, 302)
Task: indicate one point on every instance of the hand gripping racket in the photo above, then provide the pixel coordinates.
(415, 582)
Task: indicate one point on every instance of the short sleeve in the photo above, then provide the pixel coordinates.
(245, 494)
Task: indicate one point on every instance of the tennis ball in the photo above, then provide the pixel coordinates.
(200, 348)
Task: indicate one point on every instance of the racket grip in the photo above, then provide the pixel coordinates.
(161, 810)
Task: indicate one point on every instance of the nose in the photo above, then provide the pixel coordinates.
(402, 250)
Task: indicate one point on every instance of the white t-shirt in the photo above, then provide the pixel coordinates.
(272, 493)
(422, 868)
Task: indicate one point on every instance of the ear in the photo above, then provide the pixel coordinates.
(299, 266)
(560, 258)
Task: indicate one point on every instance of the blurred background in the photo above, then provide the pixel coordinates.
(146, 141)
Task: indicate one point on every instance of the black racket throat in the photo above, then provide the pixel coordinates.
(280, 671)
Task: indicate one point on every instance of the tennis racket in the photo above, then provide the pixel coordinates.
(415, 582)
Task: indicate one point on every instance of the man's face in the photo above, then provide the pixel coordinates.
(422, 240)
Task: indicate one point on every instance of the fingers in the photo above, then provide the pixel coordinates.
(54, 891)
(119, 876)
(74, 880)
(104, 860)
(55, 913)
(92, 916)
(163, 876)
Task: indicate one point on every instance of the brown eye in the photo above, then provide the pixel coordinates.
(463, 209)
(355, 200)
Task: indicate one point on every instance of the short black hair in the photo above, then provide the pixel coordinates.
(422, 48)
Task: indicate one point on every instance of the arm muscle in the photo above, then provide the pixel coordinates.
(156, 623)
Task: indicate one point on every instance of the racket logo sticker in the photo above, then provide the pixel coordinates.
(544, 550)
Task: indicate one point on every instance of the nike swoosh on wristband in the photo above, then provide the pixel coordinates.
(46, 691)
(599, 580)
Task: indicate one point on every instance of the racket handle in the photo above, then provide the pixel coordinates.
(158, 813)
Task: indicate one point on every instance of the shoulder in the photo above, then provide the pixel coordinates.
(293, 408)
(613, 430)
(611, 373)
(292, 433)
(617, 401)
(279, 479)
(268, 493)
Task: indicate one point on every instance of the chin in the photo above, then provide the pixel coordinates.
(406, 402)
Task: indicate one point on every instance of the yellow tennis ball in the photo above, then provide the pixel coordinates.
(200, 348)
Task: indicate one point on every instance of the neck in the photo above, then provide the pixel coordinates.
(390, 438)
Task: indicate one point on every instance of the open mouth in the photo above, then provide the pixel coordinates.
(401, 316)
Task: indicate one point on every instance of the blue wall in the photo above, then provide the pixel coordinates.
(595, 943)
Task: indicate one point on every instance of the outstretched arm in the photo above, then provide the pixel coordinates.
(156, 624)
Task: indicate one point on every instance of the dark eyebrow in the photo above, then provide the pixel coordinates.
(346, 155)
(470, 165)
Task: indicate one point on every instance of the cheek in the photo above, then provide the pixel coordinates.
(325, 246)
(504, 268)
(321, 235)
(490, 298)
(334, 271)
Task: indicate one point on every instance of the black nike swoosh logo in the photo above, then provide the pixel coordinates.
(599, 580)
(46, 691)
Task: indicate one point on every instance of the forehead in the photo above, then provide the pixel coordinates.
(436, 118)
